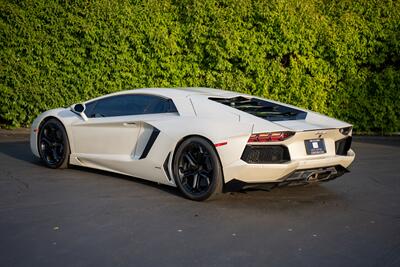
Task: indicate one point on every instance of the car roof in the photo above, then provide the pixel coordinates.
(180, 92)
(174, 93)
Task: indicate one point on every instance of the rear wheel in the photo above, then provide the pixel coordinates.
(197, 169)
(53, 144)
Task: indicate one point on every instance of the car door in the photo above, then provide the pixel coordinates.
(109, 138)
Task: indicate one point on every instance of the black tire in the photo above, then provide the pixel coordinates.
(53, 144)
(197, 169)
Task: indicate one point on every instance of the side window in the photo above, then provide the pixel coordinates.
(160, 105)
(132, 104)
(89, 108)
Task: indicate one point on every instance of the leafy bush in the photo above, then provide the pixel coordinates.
(338, 57)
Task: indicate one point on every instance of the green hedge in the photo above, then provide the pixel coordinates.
(338, 57)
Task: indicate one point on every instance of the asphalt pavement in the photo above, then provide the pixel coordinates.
(84, 217)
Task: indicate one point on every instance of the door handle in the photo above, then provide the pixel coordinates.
(129, 123)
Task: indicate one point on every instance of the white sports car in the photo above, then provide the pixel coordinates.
(204, 141)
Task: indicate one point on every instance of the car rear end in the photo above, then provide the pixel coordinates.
(301, 157)
(287, 145)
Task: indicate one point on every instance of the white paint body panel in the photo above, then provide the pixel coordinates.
(116, 143)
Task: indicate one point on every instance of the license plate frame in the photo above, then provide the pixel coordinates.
(315, 146)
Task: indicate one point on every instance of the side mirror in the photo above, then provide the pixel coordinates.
(79, 109)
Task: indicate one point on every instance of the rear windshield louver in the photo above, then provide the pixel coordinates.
(262, 109)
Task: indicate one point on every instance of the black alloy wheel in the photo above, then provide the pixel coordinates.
(197, 169)
(53, 144)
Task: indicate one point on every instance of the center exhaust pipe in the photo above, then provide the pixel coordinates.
(319, 175)
(313, 177)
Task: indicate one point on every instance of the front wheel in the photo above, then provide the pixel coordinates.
(197, 169)
(53, 144)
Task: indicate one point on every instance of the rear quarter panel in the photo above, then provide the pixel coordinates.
(215, 130)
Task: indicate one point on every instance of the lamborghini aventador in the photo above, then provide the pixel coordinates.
(203, 141)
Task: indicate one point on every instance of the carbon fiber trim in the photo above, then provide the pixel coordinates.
(298, 177)
(150, 143)
(165, 166)
(343, 146)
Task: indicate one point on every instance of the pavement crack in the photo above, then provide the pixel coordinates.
(21, 182)
(17, 180)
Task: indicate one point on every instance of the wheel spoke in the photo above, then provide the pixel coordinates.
(207, 164)
(47, 141)
(58, 135)
(46, 150)
(196, 181)
(48, 132)
(54, 154)
(45, 132)
(54, 135)
(190, 159)
(200, 155)
(188, 174)
(184, 174)
(205, 177)
(184, 180)
(200, 147)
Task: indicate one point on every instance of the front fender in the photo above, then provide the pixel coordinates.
(65, 115)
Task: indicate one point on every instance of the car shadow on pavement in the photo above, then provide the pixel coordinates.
(19, 150)
(286, 198)
(279, 197)
(138, 180)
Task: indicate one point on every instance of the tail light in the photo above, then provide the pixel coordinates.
(270, 137)
(345, 130)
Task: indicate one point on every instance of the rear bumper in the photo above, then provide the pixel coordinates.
(276, 173)
(298, 177)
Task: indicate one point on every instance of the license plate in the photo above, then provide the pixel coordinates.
(315, 146)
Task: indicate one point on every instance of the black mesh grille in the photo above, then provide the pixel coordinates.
(343, 146)
(265, 154)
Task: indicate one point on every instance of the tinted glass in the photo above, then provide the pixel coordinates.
(123, 105)
(262, 108)
(89, 107)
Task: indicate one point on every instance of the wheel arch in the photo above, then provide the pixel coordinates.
(200, 136)
(40, 125)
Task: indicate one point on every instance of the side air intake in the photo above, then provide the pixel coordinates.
(343, 146)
